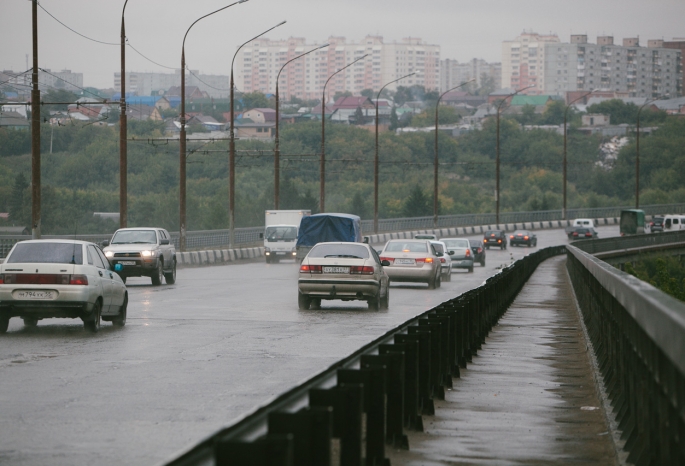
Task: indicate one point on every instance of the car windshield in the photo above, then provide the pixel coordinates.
(135, 237)
(407, 246)
(281, 233)
(350, 251)
(51, 253)
(456, 243)
(438, 247)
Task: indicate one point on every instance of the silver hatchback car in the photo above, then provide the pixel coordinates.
(412, 260)
(346, 271)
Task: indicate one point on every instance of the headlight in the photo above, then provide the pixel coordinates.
(147, 253)
(109, 254)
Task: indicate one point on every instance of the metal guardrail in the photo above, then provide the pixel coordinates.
(219, 239)
(630, 242)
(349, 413)
(638, 334)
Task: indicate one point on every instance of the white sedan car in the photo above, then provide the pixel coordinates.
(347, 271)
(445, 260)
(60, 278)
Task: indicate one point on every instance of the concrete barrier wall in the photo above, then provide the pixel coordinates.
(226, 256)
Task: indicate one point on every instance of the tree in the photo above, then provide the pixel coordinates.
(394, 121)
(417, 204)
(359, 118)
(255, 99)
(358, 205)
(368, 93)
(487, 85)
(17, 208)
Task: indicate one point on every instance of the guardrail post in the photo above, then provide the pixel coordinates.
(410, 345)
(312, 430)
(373, 381)
(428, 364)
(347, 402)
(436, 356)
(393, 364)
(443, 323)
(447, 311)
(269, 450)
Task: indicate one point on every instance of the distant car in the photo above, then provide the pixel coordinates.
(143, 252)
(583, 233)
(657, 224)
(41, 279)
(460, 250)
(412, 260)
(523, 237)
(579, 223)
(426, 236)
(495, 239)
(445, 260)
(346, 271)
(478, 251)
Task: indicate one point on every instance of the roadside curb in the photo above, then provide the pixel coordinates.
(227, 256)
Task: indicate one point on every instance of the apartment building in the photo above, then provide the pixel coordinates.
(258, 63)
(216, 86)
(678, 43)
(453, 73)
(556, 68)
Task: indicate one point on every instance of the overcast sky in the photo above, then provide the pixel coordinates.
(464, 30)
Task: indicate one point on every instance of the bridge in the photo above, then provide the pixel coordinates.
(540, 357)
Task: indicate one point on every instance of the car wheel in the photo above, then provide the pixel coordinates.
(438, 281)
(373, 303)
(267, 259)
(482, 263)
(448, 277)
(30, 322)
(303, 301)
(471, 269)
(385, 300)
(93, 323)
(120, 320)
(4, 323)
(159, 274)
(171, 276)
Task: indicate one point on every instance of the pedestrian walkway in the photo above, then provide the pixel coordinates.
(529, 396)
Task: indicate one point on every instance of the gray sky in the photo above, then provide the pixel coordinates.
(464, 30)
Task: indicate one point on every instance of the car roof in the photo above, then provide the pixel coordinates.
(48, 240)
(140, 228)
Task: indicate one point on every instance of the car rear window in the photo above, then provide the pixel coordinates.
(492, 233)
(475, 243)
(52, 253)
(135, 237)
(339, 250)
(457, 243)
(407, 246)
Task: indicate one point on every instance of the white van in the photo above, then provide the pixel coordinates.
(674, 222)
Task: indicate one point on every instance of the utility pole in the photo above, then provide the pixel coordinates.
(35, 131)
(123, 156)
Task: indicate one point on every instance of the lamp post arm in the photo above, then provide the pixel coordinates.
(255, 37)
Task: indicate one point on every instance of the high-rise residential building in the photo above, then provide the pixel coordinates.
(553, 67)
(453, 73)
(216, 86)
(259, 62)
(678, 44)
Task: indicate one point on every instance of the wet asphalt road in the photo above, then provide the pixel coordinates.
(192, 358)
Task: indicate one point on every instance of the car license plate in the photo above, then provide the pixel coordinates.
(336, 270)
(34, 294)
(282, 253)
(405, 262)
(127, 262)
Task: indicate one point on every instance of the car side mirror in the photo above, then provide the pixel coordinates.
(385, 262)
(451, 253)
(164, 242)
(105, 243)
(365, 240)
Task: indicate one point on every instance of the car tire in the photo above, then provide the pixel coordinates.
(93, 323)
(438, 281)
(4, 323)
(120, 320)
(30, 322)
(374, 304)
(448, 277)
(385, 300)
(431, 284)
(482, 263)
(171, 276)
(159, 274)
(303, 301)
(471, 269)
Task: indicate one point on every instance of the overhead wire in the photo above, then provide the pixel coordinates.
(74, 31)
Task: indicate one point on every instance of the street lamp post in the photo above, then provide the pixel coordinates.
(499, 107)
(375, 160)
(123, 162)
(182, 136)
(277, 150)
(322, 163)
(637, 156)
(231, 146)
(35, 131)
(435, 158)
(563, 210)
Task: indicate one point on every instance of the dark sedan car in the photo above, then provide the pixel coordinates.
(523, 237)
(657, 224)
(478, 250)
(583, 233)
(495, 238)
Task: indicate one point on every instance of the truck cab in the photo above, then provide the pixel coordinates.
(280, 233)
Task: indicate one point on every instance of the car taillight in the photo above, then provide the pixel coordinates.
(78, 280)
(480, 250)
(485, 240)
(2, 279)
(468, 253)
(499, 240)
(588, 234)
(575, 233)
(511, 237)
(305, 268)
(525, 237)
(427, 260)
(442, 260)
(364, 270)
(389, 259)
